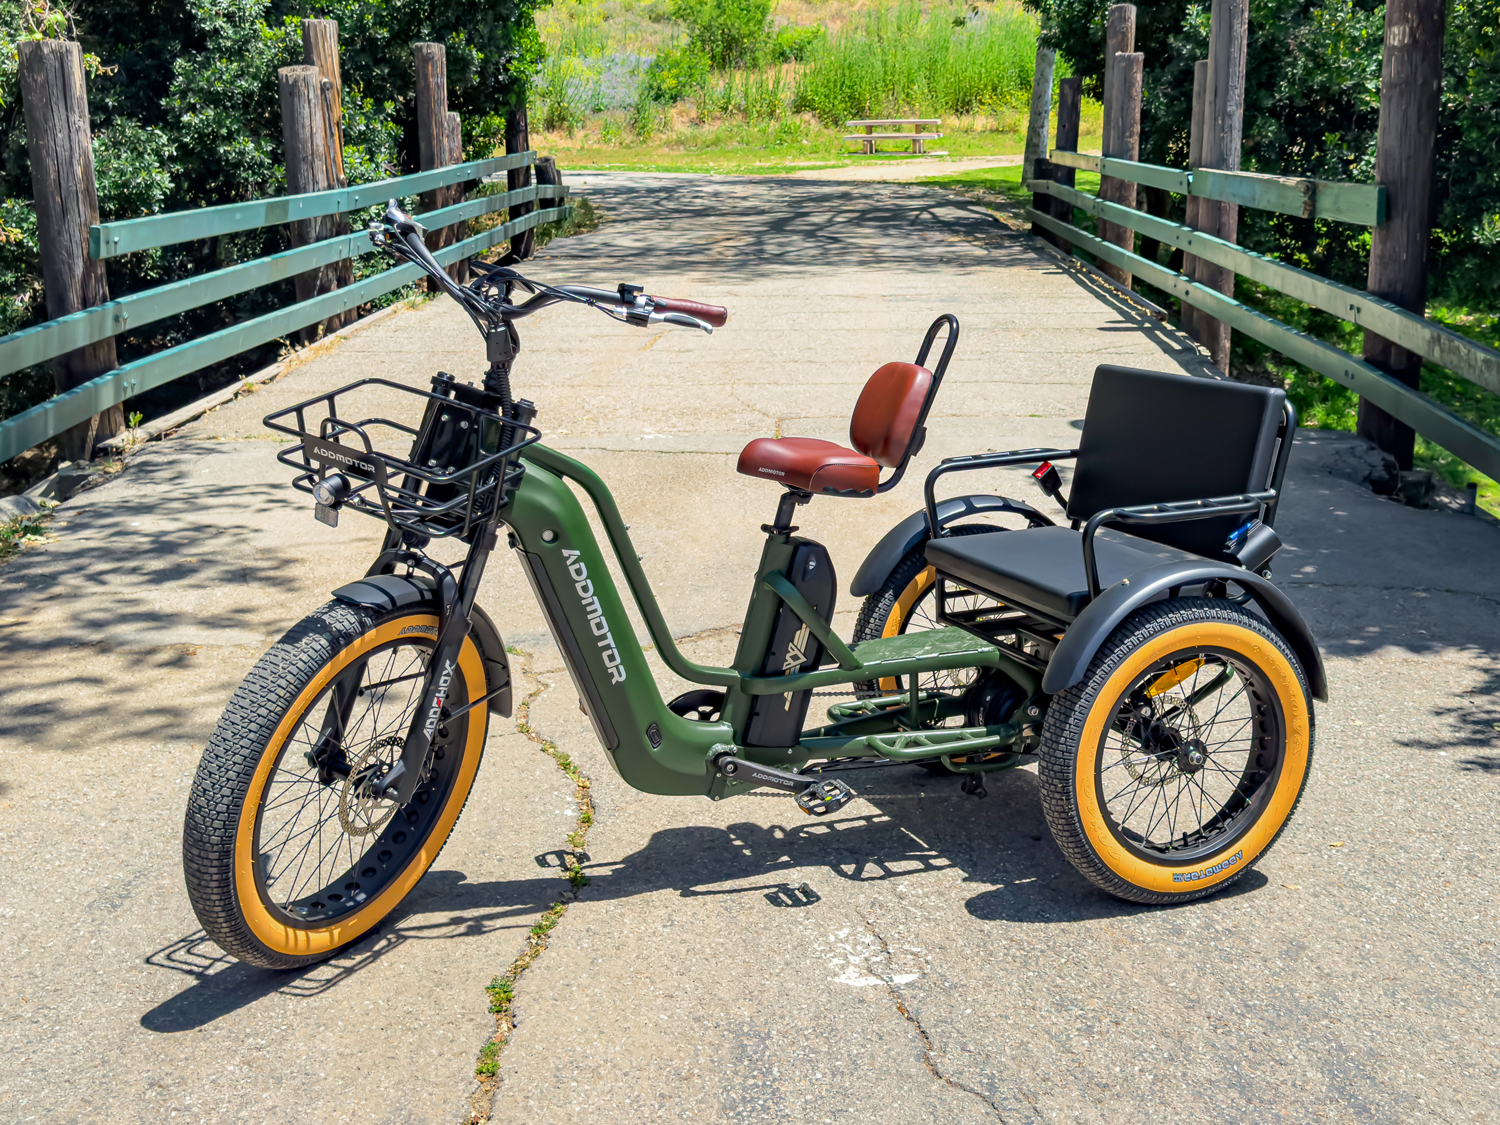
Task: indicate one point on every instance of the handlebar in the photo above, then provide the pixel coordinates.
(626, 303)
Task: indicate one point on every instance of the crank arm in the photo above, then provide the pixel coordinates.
(739, 769)
(815, 796)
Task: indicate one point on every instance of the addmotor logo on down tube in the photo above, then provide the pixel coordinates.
(579, 573)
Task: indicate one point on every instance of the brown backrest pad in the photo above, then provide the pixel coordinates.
(1150, 437)
(888, 410)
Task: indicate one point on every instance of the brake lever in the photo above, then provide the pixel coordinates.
(682, 320)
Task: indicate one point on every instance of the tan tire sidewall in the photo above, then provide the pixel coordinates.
(295, 941)
(1248, 645)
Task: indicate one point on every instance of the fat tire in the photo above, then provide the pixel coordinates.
(1062, 734)
(239, 742)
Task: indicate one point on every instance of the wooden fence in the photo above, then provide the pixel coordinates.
(1351, 203)
(109, 240)
(80, 340)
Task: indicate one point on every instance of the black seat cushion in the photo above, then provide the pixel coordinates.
(1042, 568)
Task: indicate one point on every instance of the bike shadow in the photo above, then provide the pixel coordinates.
(920, 824)
(445, 906)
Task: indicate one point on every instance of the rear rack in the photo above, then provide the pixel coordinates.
(465, 447)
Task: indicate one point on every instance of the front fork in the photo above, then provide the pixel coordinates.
(455, 603)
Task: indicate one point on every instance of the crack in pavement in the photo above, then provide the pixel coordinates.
(502, 988)
(928, 1050)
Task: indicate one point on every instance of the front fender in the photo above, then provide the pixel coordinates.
(1099, 619)
(385, 592)
(912, 532)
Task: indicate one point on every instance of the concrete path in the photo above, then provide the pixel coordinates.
(952, 968)
(912, 168)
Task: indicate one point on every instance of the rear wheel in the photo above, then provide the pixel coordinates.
(1179, 758)
(287, 857)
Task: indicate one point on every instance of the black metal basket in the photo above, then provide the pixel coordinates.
(460, 467)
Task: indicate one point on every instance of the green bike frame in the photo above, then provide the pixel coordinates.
(658, 751)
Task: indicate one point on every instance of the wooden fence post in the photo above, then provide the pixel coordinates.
(60, 146)
(518, 139)
(1122, 139)
(1041, 110)
(307, 169)
(1223, 119)
(1119, 43)
(320, 48)
(1069, 106)
(453, 135)
(1411, 78)
(1119, 39)
(1191, 317)
(432, 130)
(1043, 169)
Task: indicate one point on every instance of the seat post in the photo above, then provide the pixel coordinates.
(785, 510)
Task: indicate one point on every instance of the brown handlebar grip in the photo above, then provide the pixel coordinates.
(715, 315)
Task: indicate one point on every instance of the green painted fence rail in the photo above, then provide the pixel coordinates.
(110, 240)
(57, 337)
(1448, 349)
(1360, 204)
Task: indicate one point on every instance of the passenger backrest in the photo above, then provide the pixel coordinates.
(888, 411)
(1151, 438)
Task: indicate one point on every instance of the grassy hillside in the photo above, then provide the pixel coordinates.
(757, 85)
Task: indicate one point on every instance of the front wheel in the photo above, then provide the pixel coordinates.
(287, 860)
(1177, 760)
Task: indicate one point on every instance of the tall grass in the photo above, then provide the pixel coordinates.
(891, 61)
(761, 96)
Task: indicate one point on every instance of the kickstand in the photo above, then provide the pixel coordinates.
(973, 785)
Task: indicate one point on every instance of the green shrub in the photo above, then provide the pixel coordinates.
(729, 32)
(675, 74)
(796, 44)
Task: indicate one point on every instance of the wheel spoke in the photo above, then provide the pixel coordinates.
(301, 838)
(1167, 803)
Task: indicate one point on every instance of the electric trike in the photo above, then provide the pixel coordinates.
(1161, 681)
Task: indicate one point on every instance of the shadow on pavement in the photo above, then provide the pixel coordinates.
(444, 906)
(1000, 843)
(153, 571)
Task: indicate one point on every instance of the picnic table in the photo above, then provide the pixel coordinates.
(916, 137)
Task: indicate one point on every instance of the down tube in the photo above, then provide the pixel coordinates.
(651, 748)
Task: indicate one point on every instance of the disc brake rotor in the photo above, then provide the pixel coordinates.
(360, 812)
(1146, 767)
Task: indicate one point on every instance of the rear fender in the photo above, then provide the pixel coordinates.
(385, 592)
(912, 532)
(1099, 619)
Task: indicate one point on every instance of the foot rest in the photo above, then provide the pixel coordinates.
(824, 797)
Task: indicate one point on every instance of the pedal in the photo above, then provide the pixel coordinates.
(824, 797)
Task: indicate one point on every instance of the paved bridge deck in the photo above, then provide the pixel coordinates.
(955, 968)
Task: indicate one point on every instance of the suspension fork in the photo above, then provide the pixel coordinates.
(455, 603)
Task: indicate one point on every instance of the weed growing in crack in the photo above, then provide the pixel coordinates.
(502, 988)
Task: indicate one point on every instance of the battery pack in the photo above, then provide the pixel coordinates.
(776, 720)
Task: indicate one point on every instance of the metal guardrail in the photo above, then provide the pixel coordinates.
(1353, 203)
(58, 337)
